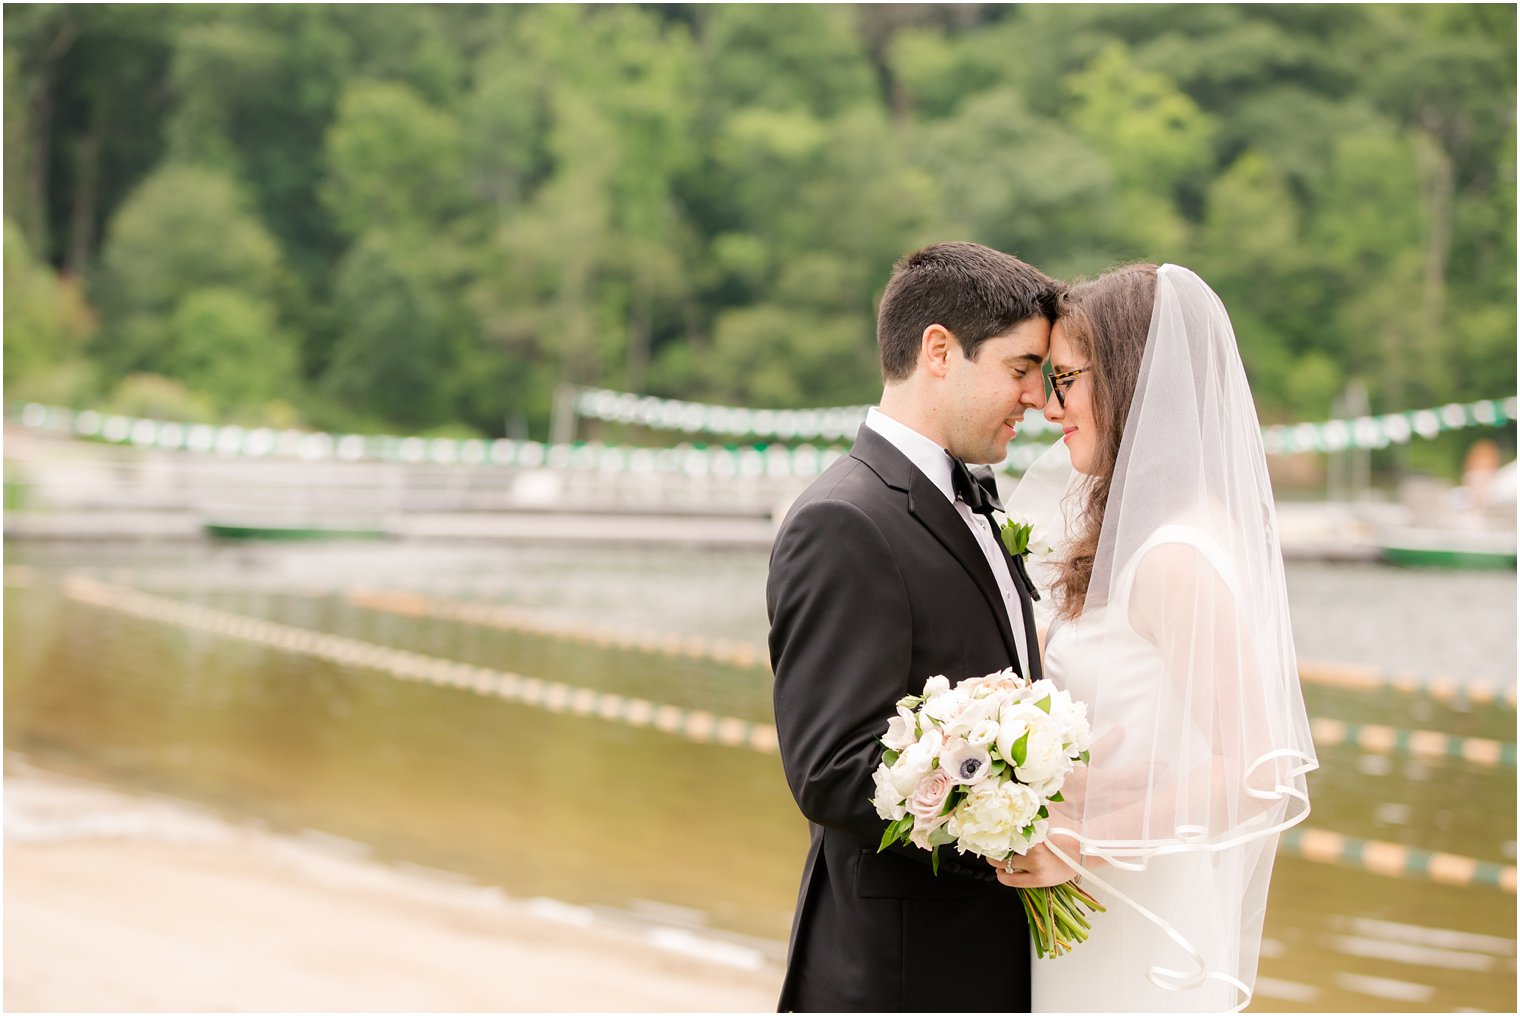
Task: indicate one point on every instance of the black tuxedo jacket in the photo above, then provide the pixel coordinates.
(876, 584)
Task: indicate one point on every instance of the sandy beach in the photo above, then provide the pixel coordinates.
(128, 903)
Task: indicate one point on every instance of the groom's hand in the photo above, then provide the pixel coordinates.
(1040, 867)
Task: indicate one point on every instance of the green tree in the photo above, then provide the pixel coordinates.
(1023, 183)
(185, 229)
(1368, 233)
(48, 326)
(394, 161)
(793, 56)
(394, 355)
(1154, 139)
(449, 210)
(590, 262)
(1250, 240)
(227, 347)
(161, 398)
(773, 355)
(90, 102)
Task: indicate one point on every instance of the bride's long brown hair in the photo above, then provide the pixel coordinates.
(1107, 319)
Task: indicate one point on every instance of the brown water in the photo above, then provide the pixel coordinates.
(604, 814)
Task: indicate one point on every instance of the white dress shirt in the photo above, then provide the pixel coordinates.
(934, 462)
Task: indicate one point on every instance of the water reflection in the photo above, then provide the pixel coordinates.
(599, 812)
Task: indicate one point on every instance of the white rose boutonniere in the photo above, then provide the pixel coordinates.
(1021, 536)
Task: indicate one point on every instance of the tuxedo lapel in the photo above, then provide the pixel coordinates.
(928, 505)
(1031, 637)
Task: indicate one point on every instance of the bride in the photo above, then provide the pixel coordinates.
(1171, 623)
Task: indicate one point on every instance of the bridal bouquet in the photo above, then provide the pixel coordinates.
(975, 766)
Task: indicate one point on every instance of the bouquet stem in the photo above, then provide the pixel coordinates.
(1056, 918)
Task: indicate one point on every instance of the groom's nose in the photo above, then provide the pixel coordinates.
(1034, 395)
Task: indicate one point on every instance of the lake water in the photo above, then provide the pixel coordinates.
(624, 817)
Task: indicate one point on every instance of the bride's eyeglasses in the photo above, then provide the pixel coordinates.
(1057, 383)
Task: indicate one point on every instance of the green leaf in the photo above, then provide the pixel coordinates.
(894, 832)
(1015, 537)
(934, 859)
(1056, 797)
(1044, 704)
(1086, 757)
(890, 757)
(1021, 749)
(1044, 812)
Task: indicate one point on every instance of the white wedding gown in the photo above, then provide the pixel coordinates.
(1108, 972)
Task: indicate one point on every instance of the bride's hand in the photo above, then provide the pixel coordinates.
(1040, 867)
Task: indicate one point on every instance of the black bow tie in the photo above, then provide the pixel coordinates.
(976, 486)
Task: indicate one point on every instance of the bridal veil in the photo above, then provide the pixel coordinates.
(1185, 656)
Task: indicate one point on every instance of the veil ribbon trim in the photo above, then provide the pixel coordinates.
(1188, 840)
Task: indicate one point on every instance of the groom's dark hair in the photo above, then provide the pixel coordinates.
(974, 292)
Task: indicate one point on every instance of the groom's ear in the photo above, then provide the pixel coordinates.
(934, 350)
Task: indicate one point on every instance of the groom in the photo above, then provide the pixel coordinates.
(882, 576)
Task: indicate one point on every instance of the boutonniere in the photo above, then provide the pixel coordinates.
(1019, 538)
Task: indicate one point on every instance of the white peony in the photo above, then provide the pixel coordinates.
(984, 733)
(936, 685)
(915, 761)
(976, 687)
(1045, 757)
(889, 804)
(992, 818)
(902, 729)
(957, 712)
(1071, 719)
(1014, 721)
(1043, 688)
(1038, 834)
(1004, 682)
(947, 709)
